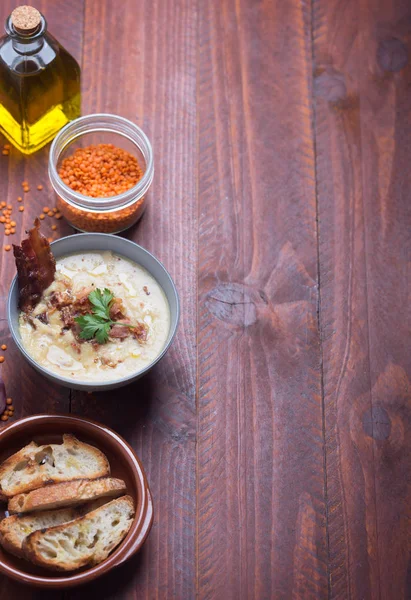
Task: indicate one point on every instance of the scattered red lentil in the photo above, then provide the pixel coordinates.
(7, 147)
(42, 216)
(1, 359)
(13, 223)
(3, 204)
(9, 207)
(12, 231)
(58, 215)
(5, 152)
(40, 187)
(54, 227)
(19, 199)
(3, 347)
(21, 208)
(9, 410)
(50, 213)
(7, 248)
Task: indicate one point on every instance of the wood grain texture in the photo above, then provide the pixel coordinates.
(143, 67)
(363, 148)
(31, 392)
(276, 432)
(261, 508)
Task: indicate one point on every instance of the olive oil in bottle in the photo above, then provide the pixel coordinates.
(39, 82)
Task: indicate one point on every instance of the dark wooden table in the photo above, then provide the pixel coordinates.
(276, 434)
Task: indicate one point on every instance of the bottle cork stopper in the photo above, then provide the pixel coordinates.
(25, 19)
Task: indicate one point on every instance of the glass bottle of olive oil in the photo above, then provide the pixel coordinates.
(39, 82)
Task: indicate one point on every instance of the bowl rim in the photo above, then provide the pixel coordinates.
(96, 385)
(140, 527)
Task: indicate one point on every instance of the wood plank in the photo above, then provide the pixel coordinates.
(261, 508)
(31, 392)
(141, 64)
(363, 151)
(386, 143)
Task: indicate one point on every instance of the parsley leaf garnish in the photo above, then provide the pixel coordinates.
(94, 326)
(101, 301)
(97, 325)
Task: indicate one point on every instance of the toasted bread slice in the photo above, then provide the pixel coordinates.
(85, 541)
(30, 448)
(35, 466)
(14, 529)
(67, 493)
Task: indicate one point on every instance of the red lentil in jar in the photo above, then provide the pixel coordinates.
(100, 171)
(107, 222)
(101, 187)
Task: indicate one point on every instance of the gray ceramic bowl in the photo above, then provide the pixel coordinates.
(101, 241)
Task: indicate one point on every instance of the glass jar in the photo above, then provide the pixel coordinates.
(106, 215)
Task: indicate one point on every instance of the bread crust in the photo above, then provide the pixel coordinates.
(67, 493)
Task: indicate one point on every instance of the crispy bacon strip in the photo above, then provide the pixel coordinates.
(140, 332)
(117, 311)
(36, 267)
(119, 332)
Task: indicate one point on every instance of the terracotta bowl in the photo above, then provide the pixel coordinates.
(47, 429)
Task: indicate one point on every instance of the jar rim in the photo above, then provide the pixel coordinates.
(105, 122)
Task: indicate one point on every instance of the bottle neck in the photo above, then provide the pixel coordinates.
(26, 44)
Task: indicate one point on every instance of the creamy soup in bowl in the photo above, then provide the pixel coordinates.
(138, 311)
(99, 313)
